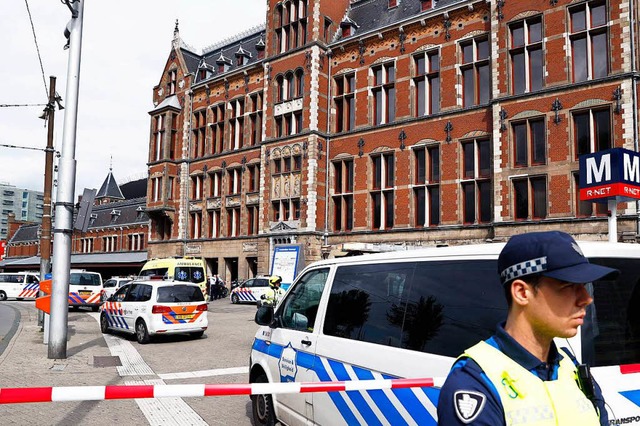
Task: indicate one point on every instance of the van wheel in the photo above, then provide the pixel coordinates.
(262, 406)
(104, 324)
(142, 334)
(234, 298)
(3, 295)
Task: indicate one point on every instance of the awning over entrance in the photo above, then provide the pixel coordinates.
(84, 260)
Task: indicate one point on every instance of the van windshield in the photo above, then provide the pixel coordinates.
(80, 278)
(154, 272)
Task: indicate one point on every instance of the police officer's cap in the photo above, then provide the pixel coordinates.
(552, 254)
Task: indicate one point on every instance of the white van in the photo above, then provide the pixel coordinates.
(85, 289)
(409, 315)
(21, 285)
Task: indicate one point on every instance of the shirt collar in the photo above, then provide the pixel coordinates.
(514, 350)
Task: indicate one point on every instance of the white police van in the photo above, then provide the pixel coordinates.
(409, 315)
(19, 285)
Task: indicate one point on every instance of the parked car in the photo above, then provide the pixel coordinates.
(21, 285)
(250, 291)
(111, 285)
(148, 308)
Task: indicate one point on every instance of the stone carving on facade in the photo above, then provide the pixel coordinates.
(214, 203)
(232, 201)
(195, 205)
(252, 199)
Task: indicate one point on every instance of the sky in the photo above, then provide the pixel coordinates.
(125, 45)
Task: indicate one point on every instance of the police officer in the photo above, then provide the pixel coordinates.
(519, 376)
(273, 295)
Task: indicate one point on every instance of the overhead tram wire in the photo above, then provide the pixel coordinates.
(21, 105)
(35, 40)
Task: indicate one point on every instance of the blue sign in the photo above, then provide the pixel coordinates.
(610, 174)
(285, 264)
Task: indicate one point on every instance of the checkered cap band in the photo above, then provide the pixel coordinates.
(528, 267)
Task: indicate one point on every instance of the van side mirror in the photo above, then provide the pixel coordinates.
(264, 315)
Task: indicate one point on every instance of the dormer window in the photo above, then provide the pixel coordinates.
(348, 27)
(139, 212)
(204, 70)
(427, 4)
(260, 48)
(115, 214)
(223, 63)
(242, 57)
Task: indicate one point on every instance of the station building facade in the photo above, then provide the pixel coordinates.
(389, 124)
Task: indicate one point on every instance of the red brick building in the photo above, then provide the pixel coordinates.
(115, 242)
(405, 122)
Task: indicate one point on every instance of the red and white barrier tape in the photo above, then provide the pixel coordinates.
(98, 393)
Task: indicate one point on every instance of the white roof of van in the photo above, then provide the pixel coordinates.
(591, 249)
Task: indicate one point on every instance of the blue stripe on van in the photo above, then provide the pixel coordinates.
(381, 400)
(358, 400)
(412, 404)
(633, 396)
(336, 397)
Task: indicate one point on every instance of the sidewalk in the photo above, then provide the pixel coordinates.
(24, 363)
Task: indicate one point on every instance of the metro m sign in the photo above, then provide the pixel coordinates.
(610, 173)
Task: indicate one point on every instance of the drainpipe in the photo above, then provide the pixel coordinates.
(325, 239)
(185, 206)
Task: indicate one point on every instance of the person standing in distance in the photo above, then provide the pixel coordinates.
(273, 295)
(519, 375)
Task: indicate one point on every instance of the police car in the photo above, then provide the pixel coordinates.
(153, 307)
(250, 291)
(409, 315)
(111, 285)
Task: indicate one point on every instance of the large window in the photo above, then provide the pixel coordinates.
(158, 133)
(290, 86)
(476, 181)
(300, 307)
(255, 118)
(234, 179)
(196, 225)
(254, 177)
(587, 208)
(171, 85)
(217, 128)
(526, 55)
(439, 307)
(382, 191)
(233, 222)
(592, 131)
(252, 219)
(215, 184)
(197, 187)
(345, 102)
(427, 83)
(476, 72)
(426, 188)
(384, 93)
(343, 195)
(530, 198)
(199, 133)
(214, 223)
(286, 187)
(291, 25)
(236, 123)
(156, 189)
(529, 143)
(288, 124)
(589, 40)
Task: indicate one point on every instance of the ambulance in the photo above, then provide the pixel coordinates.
(189, 269)
(410, 314)
(19, 285)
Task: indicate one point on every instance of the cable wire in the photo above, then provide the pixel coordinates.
(35, 40)
(20, 105)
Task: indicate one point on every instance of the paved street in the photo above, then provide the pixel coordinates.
(221, 356)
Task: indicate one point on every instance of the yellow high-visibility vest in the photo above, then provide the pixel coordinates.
(528, 400)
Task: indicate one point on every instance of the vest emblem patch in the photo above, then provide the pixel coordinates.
(468, 405)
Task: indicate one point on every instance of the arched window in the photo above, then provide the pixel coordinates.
(299, 83)
(290, 86)
(280, 89)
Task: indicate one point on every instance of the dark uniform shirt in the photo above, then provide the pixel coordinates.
(467, 375)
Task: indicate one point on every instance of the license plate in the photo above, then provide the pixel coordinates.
(184, 317)
(85, 292)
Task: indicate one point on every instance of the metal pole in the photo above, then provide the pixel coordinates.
(65, 194)
(613, 224)
(45, 234)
